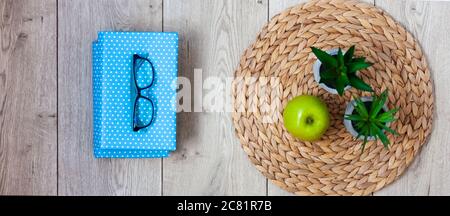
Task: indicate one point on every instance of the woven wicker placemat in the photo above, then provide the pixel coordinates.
(278, 67)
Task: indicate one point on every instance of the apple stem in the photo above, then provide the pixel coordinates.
(309, 120)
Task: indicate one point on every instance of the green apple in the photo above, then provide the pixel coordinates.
(306, 117)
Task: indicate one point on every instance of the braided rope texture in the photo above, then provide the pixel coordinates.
(278, 67)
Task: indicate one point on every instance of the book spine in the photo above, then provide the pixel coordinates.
(97, 94)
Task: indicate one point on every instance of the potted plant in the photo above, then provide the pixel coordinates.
(336, 72)
(369, 118)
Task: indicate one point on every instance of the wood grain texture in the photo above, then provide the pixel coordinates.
(275, 7)
(209, 159)
(79, 172)
(28, 97)
(428, 22)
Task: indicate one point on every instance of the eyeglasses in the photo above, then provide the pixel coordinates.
(143, 76)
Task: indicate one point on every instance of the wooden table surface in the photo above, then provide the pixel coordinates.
(46, 97)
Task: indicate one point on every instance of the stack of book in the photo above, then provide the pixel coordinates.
(112, 60)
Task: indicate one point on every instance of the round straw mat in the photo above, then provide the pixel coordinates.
(278, 67)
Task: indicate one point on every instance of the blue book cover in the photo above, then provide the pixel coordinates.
(112, 106)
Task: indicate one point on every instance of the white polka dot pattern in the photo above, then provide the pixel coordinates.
(112, 105)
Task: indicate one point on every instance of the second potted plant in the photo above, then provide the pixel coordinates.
(336, 72)
(369, 118)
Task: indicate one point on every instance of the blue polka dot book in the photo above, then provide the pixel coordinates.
(116, 108)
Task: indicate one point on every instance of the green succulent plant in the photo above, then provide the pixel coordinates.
(340, 70)
(370, 119)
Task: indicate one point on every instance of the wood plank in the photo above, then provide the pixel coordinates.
(79, 172)
(275, 7)
(209, 159)
(428, 21)
(28, 103)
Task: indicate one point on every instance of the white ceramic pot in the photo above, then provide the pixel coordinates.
(316, 71)
(349, 110)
